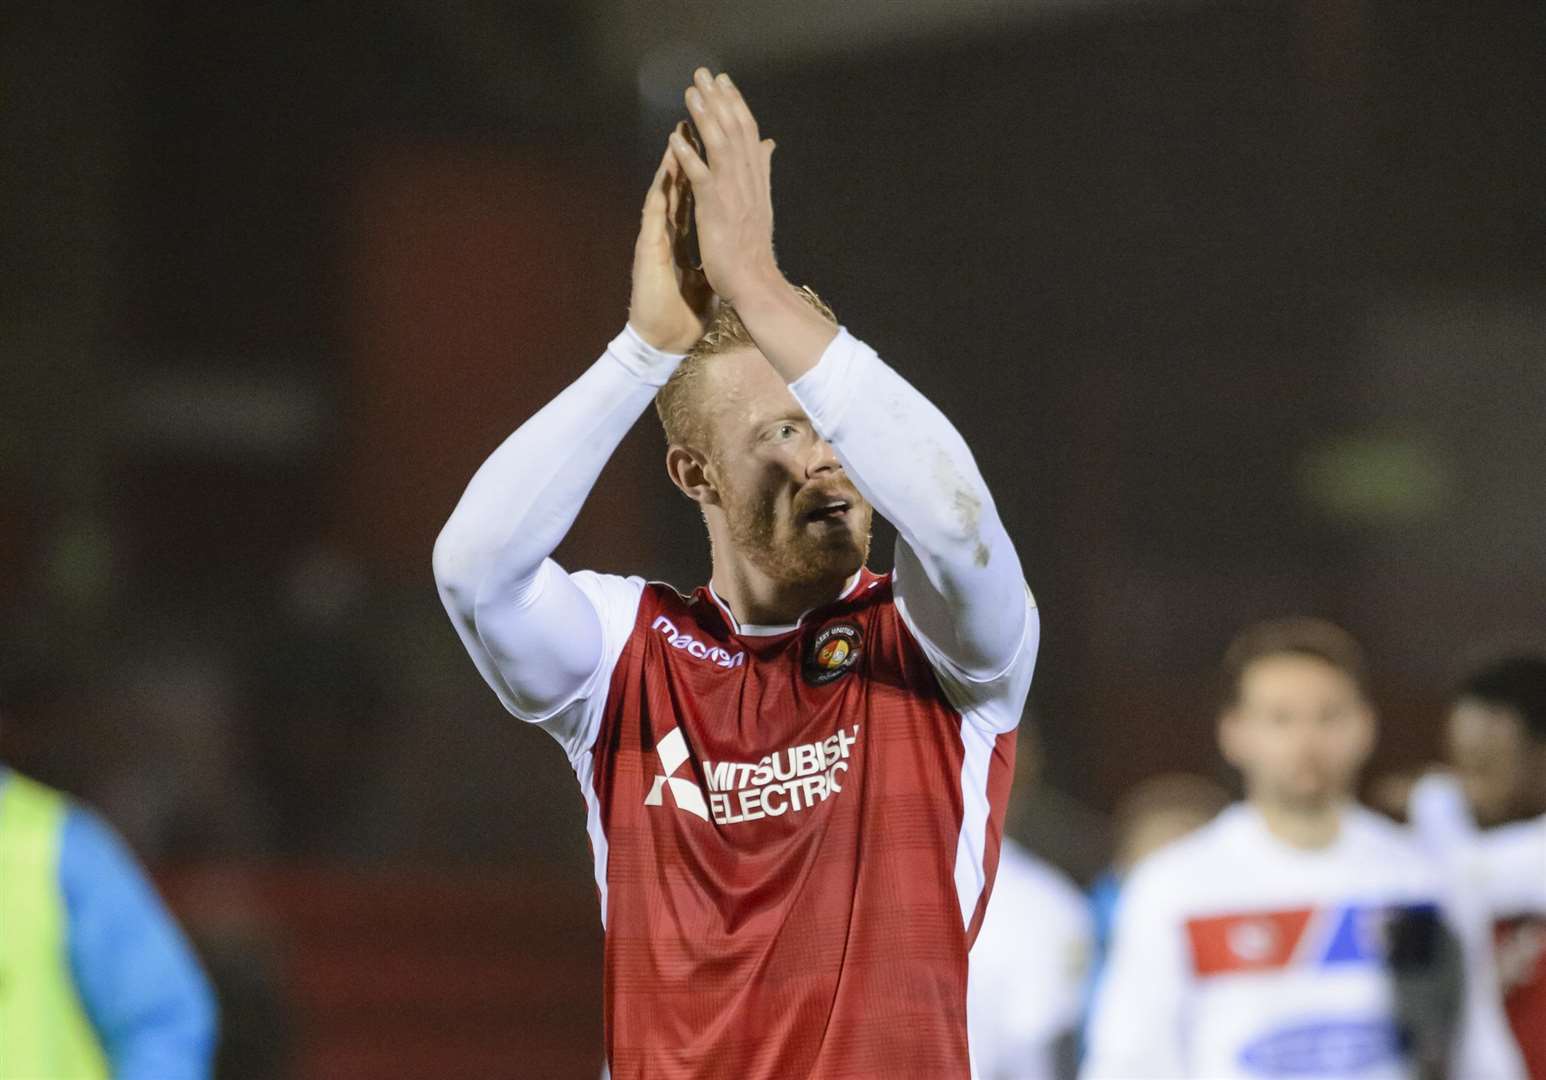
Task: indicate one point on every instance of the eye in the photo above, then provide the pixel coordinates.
(783, 431)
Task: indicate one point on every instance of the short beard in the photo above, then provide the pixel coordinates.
(800, 562)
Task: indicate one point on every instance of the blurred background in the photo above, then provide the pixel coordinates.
(1242, 308)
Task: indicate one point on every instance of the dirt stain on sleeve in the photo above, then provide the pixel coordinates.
(965, 503)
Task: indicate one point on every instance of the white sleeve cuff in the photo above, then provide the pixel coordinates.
(641, 359)
(826, 389)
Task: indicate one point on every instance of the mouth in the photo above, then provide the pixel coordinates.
(829, 511)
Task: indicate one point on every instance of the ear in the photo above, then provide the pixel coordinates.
(689, 471)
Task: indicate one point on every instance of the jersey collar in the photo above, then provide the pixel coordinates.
(753, 630)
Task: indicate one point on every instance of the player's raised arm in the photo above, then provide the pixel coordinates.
(533, 633)
(958, 575)
(1510, 863)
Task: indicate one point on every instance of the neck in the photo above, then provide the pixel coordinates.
(755, 599)
(1305, 826)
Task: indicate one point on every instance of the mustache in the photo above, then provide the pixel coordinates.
(816, 496)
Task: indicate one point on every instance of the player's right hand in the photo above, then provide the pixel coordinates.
(671, 302)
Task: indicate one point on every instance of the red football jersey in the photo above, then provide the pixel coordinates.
(1522, 964)
(796, 834)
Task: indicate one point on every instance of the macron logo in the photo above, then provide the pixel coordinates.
(685, 792)
(695, 648)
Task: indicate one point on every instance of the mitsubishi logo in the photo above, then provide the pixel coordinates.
(685, 791)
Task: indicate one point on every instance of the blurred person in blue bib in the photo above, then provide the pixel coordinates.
(96, 980)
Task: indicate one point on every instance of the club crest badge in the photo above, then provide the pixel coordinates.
(832, 653)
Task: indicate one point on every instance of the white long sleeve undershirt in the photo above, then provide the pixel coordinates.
(958, 578)
(535, 632)
(517, 509)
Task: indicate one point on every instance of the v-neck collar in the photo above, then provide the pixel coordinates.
(755, 630)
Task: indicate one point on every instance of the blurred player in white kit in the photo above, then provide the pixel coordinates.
(1487, 820)
(1026, 985)
(1298, 934)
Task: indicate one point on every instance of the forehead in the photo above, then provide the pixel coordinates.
(1474, 714)
(1294, 675)
(741, 390)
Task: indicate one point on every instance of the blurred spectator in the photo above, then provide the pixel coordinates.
(1158, 811)
(316, 695)
(1496, 738)
(159, 748)
(96, 980)
(1297, 933)
(245, 957)
(1047, 821)
(1028, 970)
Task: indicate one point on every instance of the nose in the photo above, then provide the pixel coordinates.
(822, 459)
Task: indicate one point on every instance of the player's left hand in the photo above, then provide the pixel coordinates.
(732, 190)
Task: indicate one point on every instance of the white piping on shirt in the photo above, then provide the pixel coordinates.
(752, 630)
